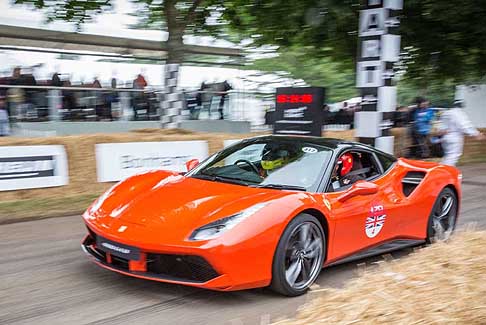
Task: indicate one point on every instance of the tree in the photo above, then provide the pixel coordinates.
(439, 92)
(316, 71)
(442, 40)
(176, 17)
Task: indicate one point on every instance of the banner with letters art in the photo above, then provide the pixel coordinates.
(379, 49)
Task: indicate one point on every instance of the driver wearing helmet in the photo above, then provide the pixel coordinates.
(342, 175)
(277, 155)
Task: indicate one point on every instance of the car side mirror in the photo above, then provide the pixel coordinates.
(191, 164)
(359, 188)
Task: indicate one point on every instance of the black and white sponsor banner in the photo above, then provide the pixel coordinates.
(27, 167)
(299, 111)
(117, 161)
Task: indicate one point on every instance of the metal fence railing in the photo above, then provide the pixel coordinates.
(48, 103)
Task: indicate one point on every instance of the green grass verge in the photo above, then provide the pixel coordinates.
(32, 209)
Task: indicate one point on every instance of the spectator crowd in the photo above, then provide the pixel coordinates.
(436, 132)
(23, 100)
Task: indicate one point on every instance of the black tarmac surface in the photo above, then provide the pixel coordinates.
(45, 278)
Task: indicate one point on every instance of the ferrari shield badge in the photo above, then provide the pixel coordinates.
(375, 221)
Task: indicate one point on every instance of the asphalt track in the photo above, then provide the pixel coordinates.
(45, 278)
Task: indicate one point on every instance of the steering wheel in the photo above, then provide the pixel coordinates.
(249, 163)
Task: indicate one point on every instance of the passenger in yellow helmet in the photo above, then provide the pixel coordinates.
(276, 155)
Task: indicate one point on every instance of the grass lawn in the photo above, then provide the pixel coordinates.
(32, 209)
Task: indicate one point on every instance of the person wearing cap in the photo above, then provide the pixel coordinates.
(4, 121)
(454, 124)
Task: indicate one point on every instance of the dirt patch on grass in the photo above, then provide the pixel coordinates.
(441, 284)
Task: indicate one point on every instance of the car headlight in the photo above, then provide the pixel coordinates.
(216, 228)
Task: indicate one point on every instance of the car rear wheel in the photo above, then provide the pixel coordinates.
(299, 256)
(442, 220)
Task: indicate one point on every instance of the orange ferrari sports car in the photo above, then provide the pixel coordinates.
(270, 211)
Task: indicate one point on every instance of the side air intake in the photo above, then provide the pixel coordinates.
(411, 181)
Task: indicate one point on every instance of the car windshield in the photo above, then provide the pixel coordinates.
(274, 163)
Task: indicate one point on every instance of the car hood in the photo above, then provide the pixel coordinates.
(167, 202)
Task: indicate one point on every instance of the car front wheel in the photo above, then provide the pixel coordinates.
(299, 256)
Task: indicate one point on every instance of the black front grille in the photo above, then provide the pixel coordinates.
(97, 253)
(119, 262)
(184, 267)
(188, 268)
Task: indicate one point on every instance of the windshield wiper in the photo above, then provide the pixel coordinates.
(281, 187)
(222, 179)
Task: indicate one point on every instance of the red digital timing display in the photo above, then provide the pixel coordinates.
(295, 99)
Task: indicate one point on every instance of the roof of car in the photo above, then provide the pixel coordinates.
(326, 142)
(330, 143)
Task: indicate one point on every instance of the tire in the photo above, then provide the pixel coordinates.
(299, 256)
(443, 217)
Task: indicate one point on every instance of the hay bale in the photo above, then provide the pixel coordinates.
(474, 150)
(80, 150)
(345, 135)
(441, 284)
(82, 165)
(81, 156)
(164, 131)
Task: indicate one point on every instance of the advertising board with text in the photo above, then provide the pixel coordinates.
(27, 167)
(299, 111)
(117, 161)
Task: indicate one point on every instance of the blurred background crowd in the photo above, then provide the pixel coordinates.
(24, 98)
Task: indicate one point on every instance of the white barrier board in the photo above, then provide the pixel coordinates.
(27, 167)
(117, 161)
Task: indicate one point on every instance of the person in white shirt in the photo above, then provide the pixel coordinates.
(454, 124)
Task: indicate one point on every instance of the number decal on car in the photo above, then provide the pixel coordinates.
(309, 150)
